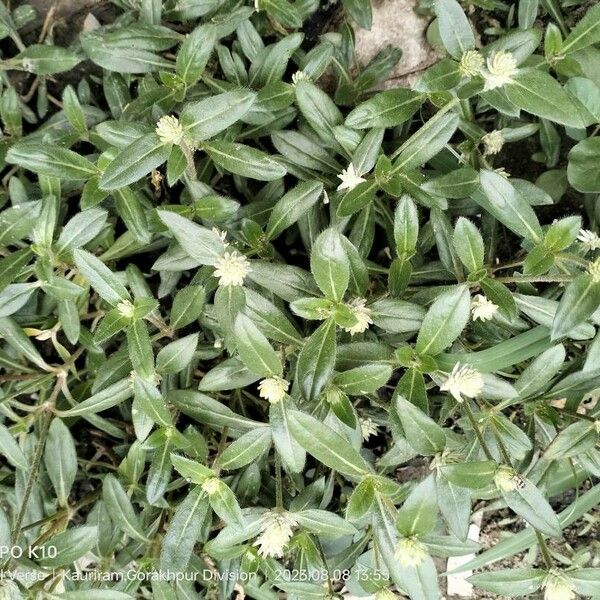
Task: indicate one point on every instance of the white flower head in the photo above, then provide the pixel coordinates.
(410, 552)
(557, 586)
(273, 389)
(506, 479)
(211, 485)
(482, 308)
(362, 315)
(367, 428)
(501, 66)
(493, 142)
(385, 594)
(350, 178)
(464, 380)
(231, 268)
(169, 130)
(299, 76)
(594, 270)
(126, 309)
(276, 532)
(589, 240)
(471, 63)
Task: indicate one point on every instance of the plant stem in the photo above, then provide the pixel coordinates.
(278, 481)
(477, 430)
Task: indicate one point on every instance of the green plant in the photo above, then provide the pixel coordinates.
(215, 355)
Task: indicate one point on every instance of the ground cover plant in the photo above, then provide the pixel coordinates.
(242, 288)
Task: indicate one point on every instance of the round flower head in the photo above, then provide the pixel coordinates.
(169, 130)
(211, 485)
(126, 309)
(482, 308)
(501, 66)
(367, 428)
(299, 76)
(558, 586)
(410, 552)
(464, 380)
(231, 268)
(276, 532)
(594, 270)
(493, 142)
(589, 240)
(471, 63)
(273, 389)
(362, 314)
(506, 479)
(350, 178)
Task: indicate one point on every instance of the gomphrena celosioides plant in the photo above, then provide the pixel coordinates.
(268, 331)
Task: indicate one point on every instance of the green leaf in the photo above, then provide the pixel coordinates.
(103, 280)
(474, 475)
(149, 399)
(50, 160)
(206, 118)
(574, 439)
(579, 301)
(254, 348)
(43, 59)
(318, 109)
(224, 503)
(81, 229)
(183, 531)
(60, 458)
(11, 450)
(245, 449)
(15, 296)
(103, 400)
(134, 162)
(329, 264)
(175, 356)
(121, 510)
(194, 53)
(419, 513)
(316, 360)
(498, 197)
(540, 94)
(12, 264)
(188, 305)
(327, 446)
(244, 160)
(582, 169)
(454, 28)
(139, 346)
(14, 336)
(585, 33)
(421, 432)
(425, 143)
(468, 244)
(293, 456)
(444, 321)
(363, 380)
(385, 109)
(324, 523)
(67, 547)
(202, 244)
(528, 502)
(292, 206)
(510, 582)
(191, 469)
